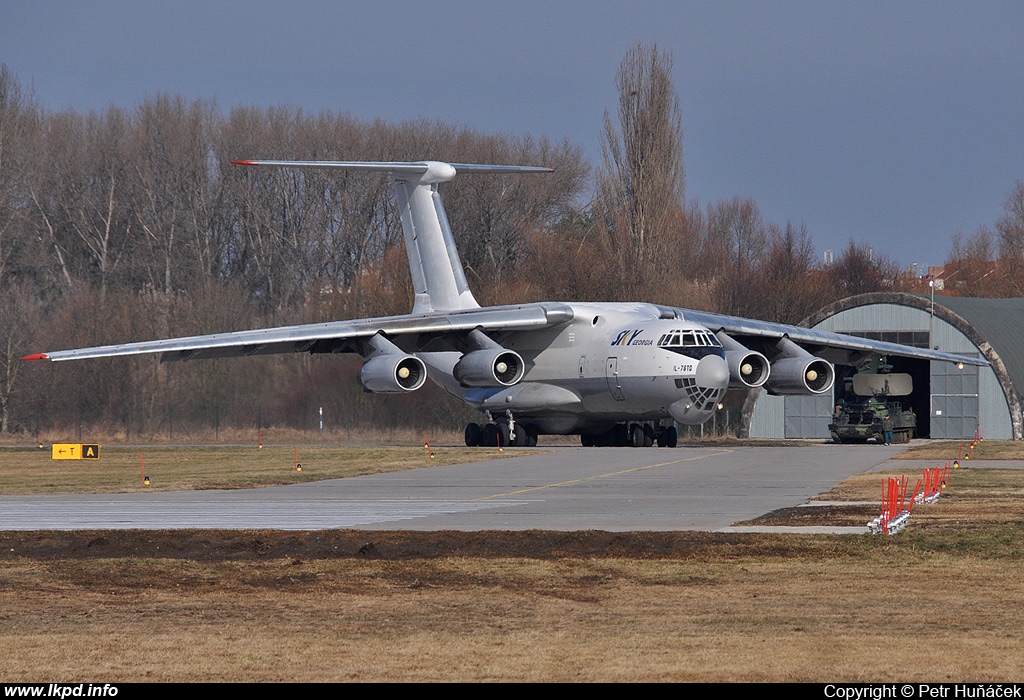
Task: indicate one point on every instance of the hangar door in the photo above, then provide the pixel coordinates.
(954, 401)
(808, 416)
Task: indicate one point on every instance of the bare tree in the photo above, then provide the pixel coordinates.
(493, 217)
(733, 240)
(788, 280)
(1011, 240)
(971, 266)
(18, 121)
(860, 270)
(641, 184)
(172, 168)
(1011, 224)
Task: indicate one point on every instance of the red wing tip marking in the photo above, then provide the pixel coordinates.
(243, 162)
(36, 356)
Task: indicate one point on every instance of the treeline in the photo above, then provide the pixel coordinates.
(131, 224)
(990, 263)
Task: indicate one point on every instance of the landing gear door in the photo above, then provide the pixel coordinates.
(612, 373)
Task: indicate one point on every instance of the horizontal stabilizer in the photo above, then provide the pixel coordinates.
(426, 171)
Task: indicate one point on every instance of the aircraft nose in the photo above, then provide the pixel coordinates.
(712, 372)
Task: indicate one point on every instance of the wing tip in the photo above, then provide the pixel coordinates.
(244, 162)
(35, 356)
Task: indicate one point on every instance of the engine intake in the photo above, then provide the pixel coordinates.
(391, 373)
(489, 368)
(800, 375)
(747, 369)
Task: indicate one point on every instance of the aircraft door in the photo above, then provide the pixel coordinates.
(612, 373)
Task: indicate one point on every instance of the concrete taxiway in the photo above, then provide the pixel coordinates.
(563, 488)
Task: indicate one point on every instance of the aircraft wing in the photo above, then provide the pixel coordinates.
(335, 336)
(837, 348)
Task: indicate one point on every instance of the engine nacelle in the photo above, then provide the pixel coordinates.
(391, 373)
(747, 369)
(489, 368)
(800, 375)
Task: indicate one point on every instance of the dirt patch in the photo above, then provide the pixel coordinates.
(826, 515)
(245, 545)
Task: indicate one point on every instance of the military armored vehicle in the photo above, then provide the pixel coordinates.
(859, 419)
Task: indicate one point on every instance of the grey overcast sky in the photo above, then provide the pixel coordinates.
(893, 124)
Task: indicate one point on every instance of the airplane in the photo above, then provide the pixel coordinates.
(616, 374)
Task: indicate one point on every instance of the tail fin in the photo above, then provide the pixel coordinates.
(438, 278)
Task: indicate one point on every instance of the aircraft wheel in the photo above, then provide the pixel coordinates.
(636, 435)
(490, 436)
(619, 435)
(521, 439)
(474, 434)
(503, 435)
(668, 437)
(587, 439)
(648, 436)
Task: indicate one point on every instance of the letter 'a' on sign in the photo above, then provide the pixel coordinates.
(74, 451)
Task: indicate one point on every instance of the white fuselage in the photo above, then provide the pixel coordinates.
(611, 363)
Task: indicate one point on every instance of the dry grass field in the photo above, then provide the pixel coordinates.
(120, 468)
(940, 601)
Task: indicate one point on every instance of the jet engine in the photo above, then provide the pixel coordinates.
(747, 368)
(492, 367)
(391, 373)
(800, 375)
(796, 371)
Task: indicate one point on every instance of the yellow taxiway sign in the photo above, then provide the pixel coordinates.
(74, 451)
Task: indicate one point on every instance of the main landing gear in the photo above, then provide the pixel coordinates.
(507, 432)
(632, 435)
(501, 433)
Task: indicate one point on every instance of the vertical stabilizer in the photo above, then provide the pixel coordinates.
(438, 279)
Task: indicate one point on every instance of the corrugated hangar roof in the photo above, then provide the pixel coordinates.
(1000, 322)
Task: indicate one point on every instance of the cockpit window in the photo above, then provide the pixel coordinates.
(689, 339)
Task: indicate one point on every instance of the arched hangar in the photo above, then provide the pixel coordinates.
(950, 402)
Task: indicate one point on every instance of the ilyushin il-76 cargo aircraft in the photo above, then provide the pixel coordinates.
(615, 373)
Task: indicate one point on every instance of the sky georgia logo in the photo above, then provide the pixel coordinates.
(629, 337)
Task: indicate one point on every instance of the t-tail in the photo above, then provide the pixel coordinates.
(438, 278)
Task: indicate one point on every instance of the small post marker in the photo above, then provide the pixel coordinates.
(894, 514)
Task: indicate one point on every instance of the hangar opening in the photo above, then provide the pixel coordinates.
(949, 402)
(916, 401)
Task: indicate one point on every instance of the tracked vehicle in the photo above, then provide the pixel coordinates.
(860, 419)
